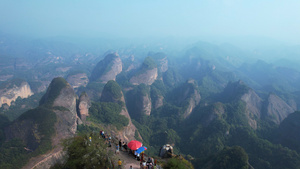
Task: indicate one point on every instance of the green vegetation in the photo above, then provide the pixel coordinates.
(45, 119)
(75, 72)
(22, 105)
(113, 88)
(149, 63)
(34, 86)
(94, 86)
(134, 100)
(81, 153)
(123, 80)
(231, 158)
(234, 91)
(178, 163)
(11, 83)
(262, 153)
(157, 56)
(108, 113)
(12, 153)
(288, 132)
(3, 123)
(171, 78)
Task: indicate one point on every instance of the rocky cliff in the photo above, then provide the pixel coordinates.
(276, 109)
(107, 69)
(236, 91)
(273, 108)
(161, 60)
(253, 107)
(112, 93)
(158, 102)
(44, 128)
(147, 74)
(11, 90)
(188, 97)
(83, 106)
(138, 101)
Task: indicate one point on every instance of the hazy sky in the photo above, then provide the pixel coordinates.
(278, 19)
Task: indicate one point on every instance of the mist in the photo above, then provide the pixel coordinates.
(218, 19)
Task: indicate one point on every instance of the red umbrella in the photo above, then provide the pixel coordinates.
(134, 144)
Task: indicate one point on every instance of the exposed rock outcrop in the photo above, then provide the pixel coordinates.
(10, 91)
(276, 109)
(147, 73)
(161, 60)
(189, 97)
(148, 77)
(107, 69)
(146, 105)
(112, 93)
(139, 101)
(253, 107)
(237, 91)
(273, 109)
(166, 151)
(83, 106)
(158, 102)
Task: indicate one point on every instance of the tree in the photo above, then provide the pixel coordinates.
(83, 153)
(178, 163)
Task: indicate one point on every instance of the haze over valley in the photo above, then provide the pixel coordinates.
(219, 81)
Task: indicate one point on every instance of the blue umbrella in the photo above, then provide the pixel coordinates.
(141, 149)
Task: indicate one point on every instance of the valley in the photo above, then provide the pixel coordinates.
(217, 105)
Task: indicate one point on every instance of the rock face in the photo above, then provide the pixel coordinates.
(148, 77)
(189, 97)
(77, 80)
(83, 106)
(146, 105)
(276, 109)
(163, 65)
(66, 99)
(13, 91)
(273, 109)
(237, 91)
(147, 74)
(166, 151)
(158, 102)
(107, 69)
(56, 113)
(112, 93)
(161, 60)
(139, 101)
(253, 107)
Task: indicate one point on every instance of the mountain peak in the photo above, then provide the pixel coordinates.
(53, 91)
(112, 92)
(147, 74)
(107, 69)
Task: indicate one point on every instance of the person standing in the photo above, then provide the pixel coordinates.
(119, 164)
(117, 149)
(120, 144)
